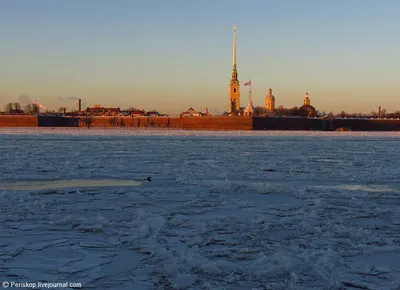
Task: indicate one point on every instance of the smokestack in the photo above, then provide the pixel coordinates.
(79, 105)
(379, 113)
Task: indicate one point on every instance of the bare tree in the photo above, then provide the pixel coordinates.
(122, 123)
(88, 121)
(131, 109)
(132, 117)
(32, 109)
(260, 111)
(35, 109)
(9, 108)
(17, 106)
(293, 111)
(62, 110)
(114, 121)
(280, 111)
(395, 114)
(28, 109)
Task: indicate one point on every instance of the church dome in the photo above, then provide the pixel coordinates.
(307, 110)
(270, 95)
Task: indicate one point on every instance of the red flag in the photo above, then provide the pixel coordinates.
(248, 83)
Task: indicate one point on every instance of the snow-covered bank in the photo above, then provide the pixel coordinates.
(171, 132)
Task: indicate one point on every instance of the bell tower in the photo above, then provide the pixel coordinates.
(307, 100)
(234, 86)
(270, 101)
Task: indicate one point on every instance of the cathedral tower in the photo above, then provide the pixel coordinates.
(234, 87)
(307, 100)
(270, 101)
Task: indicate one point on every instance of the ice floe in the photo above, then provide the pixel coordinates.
(242, 210)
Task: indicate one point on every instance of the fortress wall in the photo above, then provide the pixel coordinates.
(129, 122)
(244, 123)
(204, 123)
(162, 122)
(368, 124)
(271, 123)
(276, 123)
(18, 121)
(188, 123)
(217, 123)
(57, 121)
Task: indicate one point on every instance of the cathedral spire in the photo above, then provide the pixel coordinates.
(234, 48)
(234, 71)
(234, 86)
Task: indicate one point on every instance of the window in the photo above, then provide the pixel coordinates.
(234, 90)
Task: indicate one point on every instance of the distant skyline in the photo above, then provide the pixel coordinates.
(172, 55)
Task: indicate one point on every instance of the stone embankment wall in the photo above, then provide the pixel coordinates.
(273, 123)
(129, 122)
(368, 124)
(18, 121)
(217, 123)
(185, 123)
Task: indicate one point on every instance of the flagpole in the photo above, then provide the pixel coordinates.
(250, 91)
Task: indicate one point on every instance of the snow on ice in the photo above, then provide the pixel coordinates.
(224, 210)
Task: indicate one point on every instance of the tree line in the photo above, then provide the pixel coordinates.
(16, 108)
(281, 111)
(32, 109)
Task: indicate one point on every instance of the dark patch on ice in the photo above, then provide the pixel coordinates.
(51, 192)
(270, 192)
(354, 285)
(269, 170)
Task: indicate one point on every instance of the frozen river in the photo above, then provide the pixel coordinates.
(224, 210)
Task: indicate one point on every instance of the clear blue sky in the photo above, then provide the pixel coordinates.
(171, 55)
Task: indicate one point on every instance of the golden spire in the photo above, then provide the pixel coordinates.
(234, 71)
(234, 47)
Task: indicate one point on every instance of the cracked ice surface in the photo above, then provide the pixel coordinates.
(229, 210)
